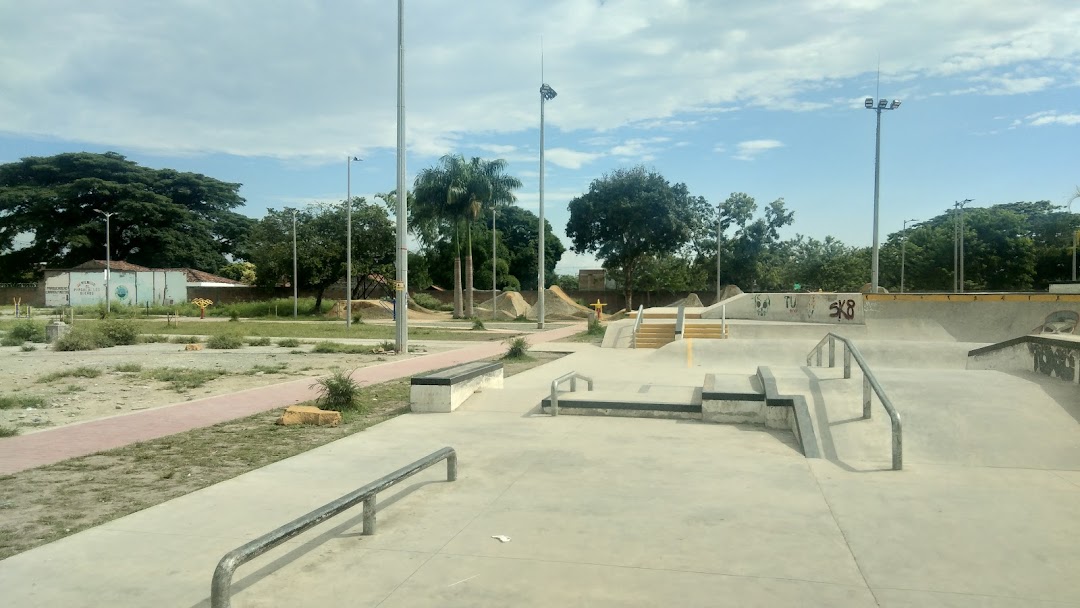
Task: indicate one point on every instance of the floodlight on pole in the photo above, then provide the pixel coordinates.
(294, 273)
(961, 205)
(108, 258)
(546, 94)
(349, 160)
(881, 105)
(903, 253)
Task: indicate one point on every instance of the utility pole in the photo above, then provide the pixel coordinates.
(903, 254)
(294, 274)
(401, 286)
(960, 232)
(108, 259)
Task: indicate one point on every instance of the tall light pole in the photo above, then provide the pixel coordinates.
(294, 273)
(401, 285)
(108, 259)
(903, 253)
(1075, 233)
(546, 93)
(882, 105)
(958, 246)
(349, 159)
(494, 264)
(719, 233)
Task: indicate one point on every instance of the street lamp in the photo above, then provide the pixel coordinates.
(546, 94)
(494, 264)
(401, 285)
(882, 104)
(108, 259)
(294, 277)
(348, 238)
(958, 246)
(903, 253)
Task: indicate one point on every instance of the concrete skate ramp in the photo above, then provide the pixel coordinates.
(881, 329)
(747, 355)
(1051, 355)
(972, 317)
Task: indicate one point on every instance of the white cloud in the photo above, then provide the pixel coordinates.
(1041, 119)
(748, 150)
(306, 80)
(569, 159)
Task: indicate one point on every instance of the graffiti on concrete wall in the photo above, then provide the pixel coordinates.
(18, 285)
(791, 303)
(842, 310)
(811, 307)
(761, 305)
(1054, 361)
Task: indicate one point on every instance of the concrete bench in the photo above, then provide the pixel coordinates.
(445, 389)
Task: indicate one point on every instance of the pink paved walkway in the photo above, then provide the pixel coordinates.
(47, 447)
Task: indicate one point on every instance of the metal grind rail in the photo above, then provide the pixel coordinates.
(572, 377)
(221, 585)
(637, 325)
(870, 382)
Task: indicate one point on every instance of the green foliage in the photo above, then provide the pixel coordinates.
(428, 301)
(338, 347)
(260, 341)
(338, 391)
(596, 328)
(185, 340)
(28, 348)
(10, 341)
(273, 368)
(183, 379)
(162, 218)
(8, 431)
(117, 332)
(26, 331)
(20, 401)
(387, 346)
(477, 324)
(288, 342)
(75, 372)
(234, 316)
(516, 348)
(128, 367)
(357, 318)
(321, 259)
(239, 271)
(153, 338)
(568, 282)
(81, 337)
(225, 341)
(631, 214)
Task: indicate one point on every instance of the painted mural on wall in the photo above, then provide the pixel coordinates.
(1054, 361)
(845, 308)
(87, 288)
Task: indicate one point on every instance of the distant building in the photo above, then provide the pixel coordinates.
(84, 285)
(594, 280)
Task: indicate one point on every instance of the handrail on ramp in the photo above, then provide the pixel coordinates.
(221, 585)
(637, 325)
(573, 378)
(869, 382)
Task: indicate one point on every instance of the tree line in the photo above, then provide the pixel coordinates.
(648, 233)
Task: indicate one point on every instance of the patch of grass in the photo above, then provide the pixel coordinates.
(338, 391)
(183, 379)
(71, 389)
(11, 402)
(81, 337)
(338, 347)
(274, 368)
(27, 331)
(8, 431)
(430, 302)
(225, 341)
(77, 372)
(260, 341)
(28, 348)
(478, 325)
(128, 367)
(153, 338)
(185, 340)
(10, 341)
(516, 348)
(313, 330)
(386, 347)
(288, 342)
(118, 332)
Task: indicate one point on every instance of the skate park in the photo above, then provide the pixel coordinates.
(718, 460)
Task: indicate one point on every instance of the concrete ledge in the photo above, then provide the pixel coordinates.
(442, 391)
(1057, 356)
(733, 399)
(788, 412)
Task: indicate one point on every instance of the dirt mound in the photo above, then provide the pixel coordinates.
(368, 309)
(510, 305)
(558, 305)
(868, 288)
(689, 301)
(729, 291)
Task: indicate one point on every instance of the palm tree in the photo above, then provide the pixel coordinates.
(489, 186)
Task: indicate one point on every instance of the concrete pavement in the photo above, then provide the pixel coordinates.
(623, 511)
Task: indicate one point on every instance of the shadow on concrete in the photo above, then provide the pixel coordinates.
(1064, 393)
(298, 551)
(824, 425)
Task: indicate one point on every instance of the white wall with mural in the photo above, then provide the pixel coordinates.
(838, 308)
(87, 287)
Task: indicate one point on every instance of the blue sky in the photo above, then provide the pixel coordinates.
(759, 97)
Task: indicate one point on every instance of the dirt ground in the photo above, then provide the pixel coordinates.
(77, 399)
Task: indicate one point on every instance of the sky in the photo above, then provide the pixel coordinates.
(761, 97)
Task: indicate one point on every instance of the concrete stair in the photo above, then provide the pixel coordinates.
(654, 335)
(705, 331)
(669, 313)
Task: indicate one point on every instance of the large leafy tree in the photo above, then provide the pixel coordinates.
(161, 217)
(631, 214)
(449, 199)
(320, 232)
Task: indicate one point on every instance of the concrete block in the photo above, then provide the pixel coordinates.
(733, 412)
(778, 417)
(445, 398)
(56, 330)
(307, 414)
